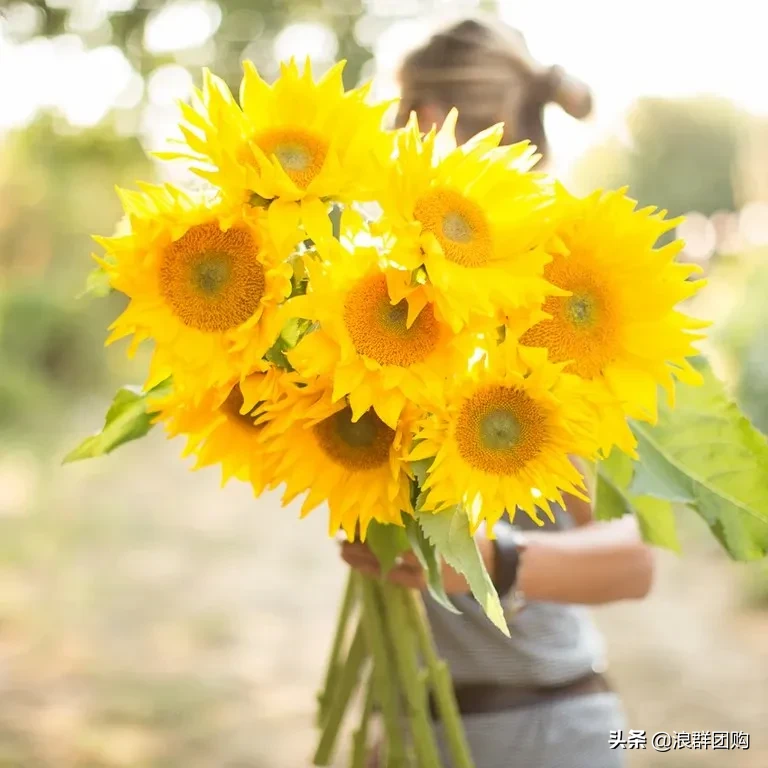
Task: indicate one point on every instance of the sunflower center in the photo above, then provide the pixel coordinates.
(232, 408)
(293, 157)
(456, 228)
(584, 327)
(581, 310)
(396, 316)
(212, 272)
(301, 153)
(356, 446)
(212, 280)
(458, 223)
(500, 429)
(378, 329)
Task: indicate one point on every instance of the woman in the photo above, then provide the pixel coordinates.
(537, 699)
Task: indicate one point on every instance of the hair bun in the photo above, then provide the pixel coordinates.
(556, 86)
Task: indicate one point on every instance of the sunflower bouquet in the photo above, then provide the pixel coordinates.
(420, 337)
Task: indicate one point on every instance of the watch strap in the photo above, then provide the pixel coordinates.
(507, 545)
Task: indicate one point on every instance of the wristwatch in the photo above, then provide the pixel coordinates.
(509, 545)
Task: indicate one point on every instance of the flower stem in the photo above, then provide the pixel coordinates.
(405, 643)
(385, 686)
(338, 704)
(335, 663)
(360, 737)
(442, 685)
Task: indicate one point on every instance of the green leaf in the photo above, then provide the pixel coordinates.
(128, 418)
(614, 499)
(276, 355)
(618, 467)
(613, 477)
(449, 533)
(420, 469)
(425, 553)
(257, 201)
(387, 542)
(656, 518)
(609, 503)
(292, 332)
(655, 476)
(299, 278)
(96, 284)
(706, 452)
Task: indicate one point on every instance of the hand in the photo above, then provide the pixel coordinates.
(407, 571)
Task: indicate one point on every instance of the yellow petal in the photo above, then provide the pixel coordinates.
(317, 223)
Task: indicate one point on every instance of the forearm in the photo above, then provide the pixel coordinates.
(596, 563)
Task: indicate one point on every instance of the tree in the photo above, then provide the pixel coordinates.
(682, 155)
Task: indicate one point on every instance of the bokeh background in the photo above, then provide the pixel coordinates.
(150, 620)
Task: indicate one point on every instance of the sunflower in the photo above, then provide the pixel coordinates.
(474, 217)
(204, 284)
(504, 439)
(379, 354)
(223, 426)
(619, 326)
(294, 141)
(358, 468)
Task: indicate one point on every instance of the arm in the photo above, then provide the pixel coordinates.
(593, 563)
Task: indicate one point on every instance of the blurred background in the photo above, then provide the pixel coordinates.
(148, 619)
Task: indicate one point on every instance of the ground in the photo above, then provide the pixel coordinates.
(150, 620)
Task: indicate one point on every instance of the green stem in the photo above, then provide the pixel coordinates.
(335, 664)
(442, 685)
(386, 689)
(360, 737)
(405, 643)
(340, 699)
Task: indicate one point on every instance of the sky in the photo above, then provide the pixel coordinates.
(622, 50)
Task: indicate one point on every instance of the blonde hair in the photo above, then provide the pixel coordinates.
(486, 71)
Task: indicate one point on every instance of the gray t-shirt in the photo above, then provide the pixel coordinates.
(550, 644)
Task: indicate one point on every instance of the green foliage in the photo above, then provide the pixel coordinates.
(613, 478)
(51, 350)
(46, 337)
(293, 331)
(744, 333)
(656, 518)
(685, 153)
(387, 542)
(423, 547)
(245, 24)
(420, 469)
(52, 346)
(22, 404)
(430, 561)
(681, 156)
(616, 497)
(449, 533)
(128, 418)
(706, 454)
(97, 284)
